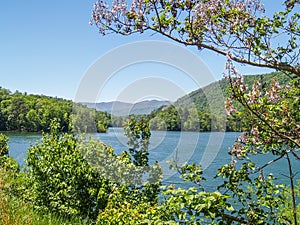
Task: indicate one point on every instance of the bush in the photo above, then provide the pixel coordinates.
(3, 149)
(61, 179)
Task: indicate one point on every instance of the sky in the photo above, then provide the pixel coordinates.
(49, 48)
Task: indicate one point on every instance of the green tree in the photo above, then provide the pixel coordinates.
(33, 119)
(3, 149)
(4, 96)
(61, 180)
(138, 134)
(17, 113)
(136, 196)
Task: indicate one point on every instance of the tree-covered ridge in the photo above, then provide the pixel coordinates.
(33, 113)
(203, 109)
(198, 98)
(173, 118)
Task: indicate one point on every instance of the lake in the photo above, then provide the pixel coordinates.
(209, 149)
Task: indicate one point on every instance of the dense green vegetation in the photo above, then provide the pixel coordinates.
(33, 113)
(174, 118)
(14, 205)
(70, 178)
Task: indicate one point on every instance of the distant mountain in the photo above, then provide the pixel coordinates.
(118, 108)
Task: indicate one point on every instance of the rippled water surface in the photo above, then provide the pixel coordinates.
(209, 149)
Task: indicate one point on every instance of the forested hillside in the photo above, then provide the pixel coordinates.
(204, 109)
(198, 98)
(34, 113)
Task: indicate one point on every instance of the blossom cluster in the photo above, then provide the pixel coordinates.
(119, 17)
(273, 110)
(258, 94)
(255, 93)
(273, 94)
(237, 13)
(255, 134)
(237, 149)
(229, 107)
(125, 18)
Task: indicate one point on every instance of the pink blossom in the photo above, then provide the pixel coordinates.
(229, 107)
(255, 134)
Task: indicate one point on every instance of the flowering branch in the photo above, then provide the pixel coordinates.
(223, 26)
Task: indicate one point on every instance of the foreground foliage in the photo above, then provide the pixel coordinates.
(62, 186)
(61, 180)
(243, 33)
(14, 208)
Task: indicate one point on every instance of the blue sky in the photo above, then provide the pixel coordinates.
(46, 47)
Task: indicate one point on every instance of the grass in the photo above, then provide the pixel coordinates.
(15, 211)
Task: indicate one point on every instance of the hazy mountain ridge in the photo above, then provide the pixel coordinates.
(119, 108)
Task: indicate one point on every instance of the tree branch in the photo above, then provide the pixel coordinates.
(291, 176)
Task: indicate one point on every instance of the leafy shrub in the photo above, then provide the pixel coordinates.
(61, 179)
(3, 149)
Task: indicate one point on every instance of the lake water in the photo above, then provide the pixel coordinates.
(209, 149)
